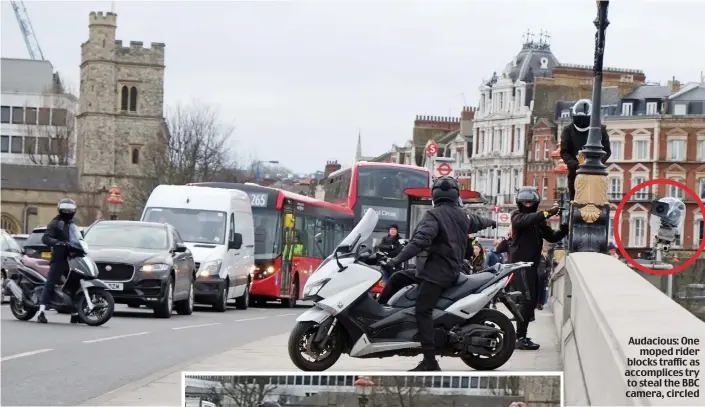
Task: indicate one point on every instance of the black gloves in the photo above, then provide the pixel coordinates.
(389, 264)
(494, 225)
(564, 228)
(552, 212)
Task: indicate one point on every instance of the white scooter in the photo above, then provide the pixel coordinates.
(346, 319)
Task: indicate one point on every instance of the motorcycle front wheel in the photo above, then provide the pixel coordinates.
(308, 359)
(103, 307)
(22, 311)
(506, 341)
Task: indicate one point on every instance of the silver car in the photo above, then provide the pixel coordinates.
(11, 253)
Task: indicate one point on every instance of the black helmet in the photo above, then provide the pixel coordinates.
(270, 404)
(528, 194)
(445, 189)
(66, 208)
(581, 112)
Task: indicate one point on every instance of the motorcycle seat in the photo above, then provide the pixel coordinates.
(466, 285)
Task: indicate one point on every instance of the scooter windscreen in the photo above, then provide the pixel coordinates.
(360, 233)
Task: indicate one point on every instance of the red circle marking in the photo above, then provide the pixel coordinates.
(444, 169)
(504, 217)
(432, 149)
(618, 240)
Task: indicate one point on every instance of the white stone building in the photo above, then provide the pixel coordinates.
(502, 123)
(38, 120)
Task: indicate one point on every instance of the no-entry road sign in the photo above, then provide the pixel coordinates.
(504, 218)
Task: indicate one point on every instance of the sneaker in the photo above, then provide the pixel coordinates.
(75, 319)
(42, 319)
(427, 366)
(539, 307)
(526, 344)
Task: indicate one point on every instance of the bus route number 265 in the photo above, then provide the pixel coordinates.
(258, 200)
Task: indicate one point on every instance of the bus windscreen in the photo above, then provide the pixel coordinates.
(267, 233)
(389, 182)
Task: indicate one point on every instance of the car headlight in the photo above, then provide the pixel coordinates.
(210, 268)
(313, 288)
(154, 267)
(261, 271)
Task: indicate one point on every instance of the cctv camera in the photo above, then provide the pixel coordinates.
(667, 215)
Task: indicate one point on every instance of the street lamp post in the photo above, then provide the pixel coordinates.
(561, 171)
(115, 202)
(258, 165)
(363, 388)
(589, 213)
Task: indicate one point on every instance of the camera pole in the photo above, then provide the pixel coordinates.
(589, 212)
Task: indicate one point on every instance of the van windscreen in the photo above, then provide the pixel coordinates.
(194, 225)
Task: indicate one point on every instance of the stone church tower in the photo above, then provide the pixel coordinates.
(121, 113)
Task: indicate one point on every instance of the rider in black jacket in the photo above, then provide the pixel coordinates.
(57, 236)
(390, 245)
(529, 229)
(573, 139)
(439, 241)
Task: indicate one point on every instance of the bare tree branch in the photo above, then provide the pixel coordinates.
(246, 391)
(50, 128)
(508, 386)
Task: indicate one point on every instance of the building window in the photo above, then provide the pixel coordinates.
(641, 150)
(615, 187)
(133, 99)
(30, 145)
(5, 114)
(565, 114)
(701, 150)
(699, 232)
(44, 116)
(545, 150)
(641, 194)
(627, 109)
(701, 188)
(651, 108)
(30, 115)
(610, 235)
(16, 145)
(135, 156)
(544, 190)
(675, 191)
(124, 98)
(676, 150)
(680, 109)
(517, 139)
(17, 115)
(637, 230)
(536, 182)
(617, 150)
(537, 151)
(4, 144)
(58, 117)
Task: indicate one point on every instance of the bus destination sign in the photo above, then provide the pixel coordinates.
(387, 213)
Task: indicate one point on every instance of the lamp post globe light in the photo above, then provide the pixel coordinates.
(115, 202)
(363, 387)
(589, 211)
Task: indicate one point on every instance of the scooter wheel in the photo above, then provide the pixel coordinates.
(102, 298)
(22, 311)
(299, 340)
(506, 348)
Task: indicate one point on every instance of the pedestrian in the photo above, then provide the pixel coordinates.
(494, 257)
(57, 236)
(439, 241)
(478, 258)
(390, 245)
(544, 274)
(529, 229)
(574, 138)
(612, 250)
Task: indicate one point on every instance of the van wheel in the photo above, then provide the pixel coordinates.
(221, 302)
(164, 309)
(243, 301)
(185, 307)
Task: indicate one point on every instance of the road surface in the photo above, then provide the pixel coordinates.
(64, 364)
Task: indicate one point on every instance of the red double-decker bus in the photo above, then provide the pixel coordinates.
(293, 234)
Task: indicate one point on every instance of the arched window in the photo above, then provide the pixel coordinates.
(9, 223)
(135, 156)
(124, 97)
(133, 99)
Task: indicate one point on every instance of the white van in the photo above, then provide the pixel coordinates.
(216, 226)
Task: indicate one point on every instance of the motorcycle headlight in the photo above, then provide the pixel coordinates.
(154, 267)
(312, 289)
(210, 268)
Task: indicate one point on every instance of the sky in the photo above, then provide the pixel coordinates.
(300, 79)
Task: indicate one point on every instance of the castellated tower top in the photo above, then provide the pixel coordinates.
(103, 45)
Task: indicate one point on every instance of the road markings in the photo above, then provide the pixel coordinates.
(195, 326)
(249, 319)
(110, 338)
(21, 355)
(286, 315)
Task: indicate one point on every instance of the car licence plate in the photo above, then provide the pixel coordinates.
(46, 255)
(114, 286)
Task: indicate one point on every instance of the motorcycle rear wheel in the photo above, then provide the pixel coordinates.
(100, 298)
(22, 311)
(300, 339)
(508, 341)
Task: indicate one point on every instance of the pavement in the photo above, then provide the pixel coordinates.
(270, 354)
(64, 364)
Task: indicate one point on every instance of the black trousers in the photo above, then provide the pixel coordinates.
(528, 283)
(395, 283)
(425, 303)
(53, 278)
